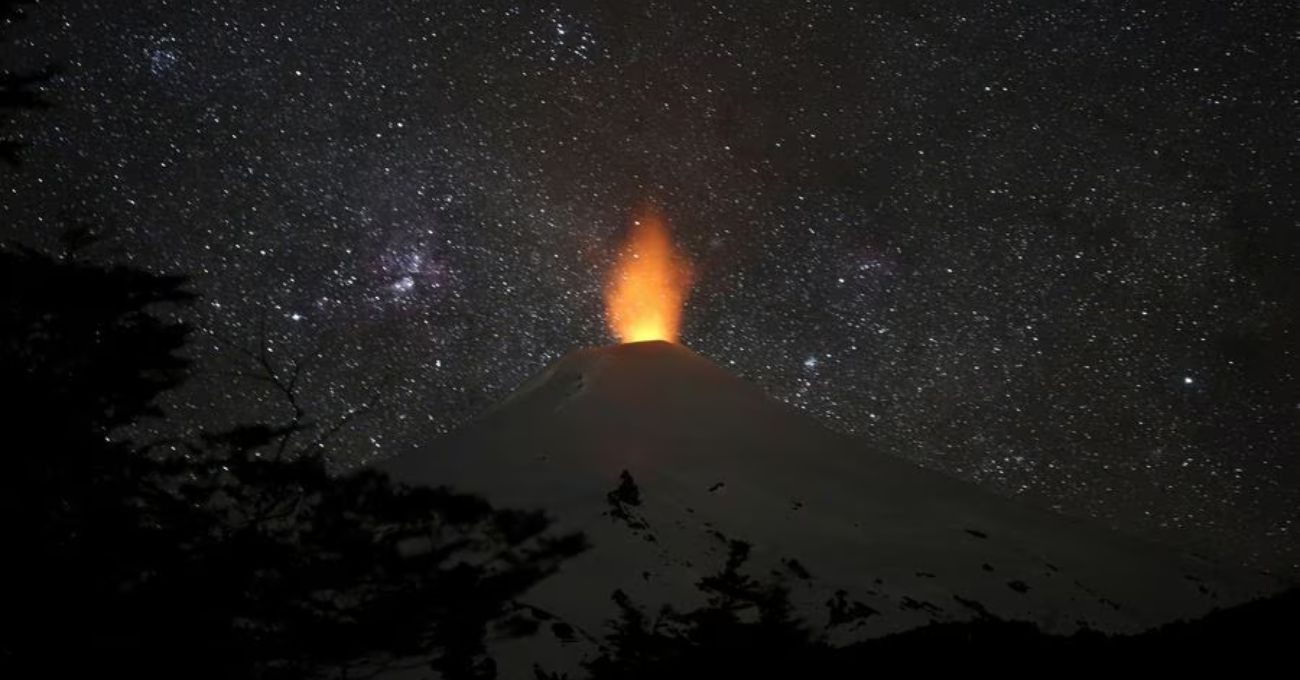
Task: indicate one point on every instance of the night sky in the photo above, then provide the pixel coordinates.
(1048, 246)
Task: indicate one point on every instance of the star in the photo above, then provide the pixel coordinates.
(986, 265)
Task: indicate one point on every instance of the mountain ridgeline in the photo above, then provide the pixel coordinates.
(679, 472)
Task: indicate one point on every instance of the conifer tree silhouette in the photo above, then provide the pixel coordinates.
(214, 557)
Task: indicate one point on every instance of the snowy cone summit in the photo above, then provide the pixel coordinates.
(710, 459)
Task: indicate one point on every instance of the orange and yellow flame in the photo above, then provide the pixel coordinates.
(648, 285)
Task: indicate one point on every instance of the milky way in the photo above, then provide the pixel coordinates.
(1050, 247)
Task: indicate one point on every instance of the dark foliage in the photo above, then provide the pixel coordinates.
(1263, 629)
(746, 629)
(216, 557)
(626, 493)
(222, 557)
(622, 499)
(79, 341)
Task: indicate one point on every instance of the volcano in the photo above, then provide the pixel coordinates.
(663, 460)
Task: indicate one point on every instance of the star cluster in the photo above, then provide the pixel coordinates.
(1050, 247)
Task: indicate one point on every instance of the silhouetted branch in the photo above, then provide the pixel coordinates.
(329, 433)
(268, 373)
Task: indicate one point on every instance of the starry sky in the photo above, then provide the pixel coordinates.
(1049, 247)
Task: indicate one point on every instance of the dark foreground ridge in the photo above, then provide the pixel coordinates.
(772, 647)
(1266, 622)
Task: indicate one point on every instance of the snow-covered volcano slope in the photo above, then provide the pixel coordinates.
(714, 459)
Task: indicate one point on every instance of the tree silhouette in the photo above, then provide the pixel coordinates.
(217, 557)
(745, 629)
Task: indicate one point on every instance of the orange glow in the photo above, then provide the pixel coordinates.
(649, 282)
